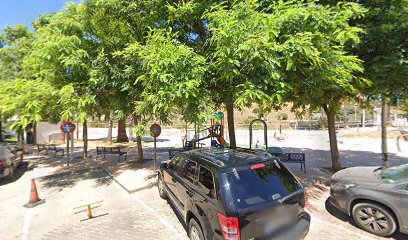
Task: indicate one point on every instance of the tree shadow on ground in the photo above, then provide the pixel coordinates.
(70, 179)
(348, 219)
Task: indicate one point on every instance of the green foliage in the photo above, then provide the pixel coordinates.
(74, 106)
(172, 76)
(15, 43)
(384, 47)
(243, 55)
(318, 70)
(26, 101)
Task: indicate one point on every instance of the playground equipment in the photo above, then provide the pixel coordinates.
(265, 132)
(215, 132)
(279, 137)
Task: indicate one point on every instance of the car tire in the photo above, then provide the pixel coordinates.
(194, 230)
(161, 187)
(374, 218)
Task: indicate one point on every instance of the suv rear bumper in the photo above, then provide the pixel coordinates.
(298, 231)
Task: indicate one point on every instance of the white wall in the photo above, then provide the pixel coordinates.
(44, 130)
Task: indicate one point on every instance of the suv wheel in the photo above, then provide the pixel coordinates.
(195, 232)
(160, 186)
(374, 219)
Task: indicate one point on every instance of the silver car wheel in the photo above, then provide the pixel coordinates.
(194, 233)
(373, 218)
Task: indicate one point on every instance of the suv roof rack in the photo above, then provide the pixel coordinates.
(210, 158)
(210, 155)
(255, 151)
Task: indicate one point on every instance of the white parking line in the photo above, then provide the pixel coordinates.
(26, 225)
(158, 216)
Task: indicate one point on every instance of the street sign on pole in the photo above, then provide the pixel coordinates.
(68, 128)
(155, 131)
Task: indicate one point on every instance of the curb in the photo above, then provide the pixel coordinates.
(71, 172)
(125, 188)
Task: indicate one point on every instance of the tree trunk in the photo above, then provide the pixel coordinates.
(20, 138)
(85, 139)
(138, 139)
(131, 124)
(110, 127)
(230, 120)
(334, 150)
(122, 136)
(77, 131)
(384, 150)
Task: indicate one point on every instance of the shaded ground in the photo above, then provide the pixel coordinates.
(141, 213)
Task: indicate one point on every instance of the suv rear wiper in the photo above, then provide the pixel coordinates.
(282, 200)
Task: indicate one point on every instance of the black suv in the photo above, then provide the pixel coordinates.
(234, 194)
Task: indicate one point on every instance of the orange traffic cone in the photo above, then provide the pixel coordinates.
(34, 199)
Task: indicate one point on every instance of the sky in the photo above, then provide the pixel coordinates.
(24, 11)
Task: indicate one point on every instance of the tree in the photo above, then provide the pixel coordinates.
(384, 49)
(242, 58)
(62, 55)
(15, 42)
(116, 25)
(317, 71)
(26, 102)
(172, 77)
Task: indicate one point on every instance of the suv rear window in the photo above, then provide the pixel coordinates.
(262, 185)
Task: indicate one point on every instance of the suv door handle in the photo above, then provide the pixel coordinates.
(173, 180)
(190, 194)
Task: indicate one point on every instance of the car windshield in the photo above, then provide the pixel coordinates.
(395, 174)
(262, 185)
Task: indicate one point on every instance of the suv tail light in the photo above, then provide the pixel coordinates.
(257, 166)
(230, 227)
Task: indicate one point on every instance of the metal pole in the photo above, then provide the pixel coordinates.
(155, 154)
(72, 144)
(67, 149)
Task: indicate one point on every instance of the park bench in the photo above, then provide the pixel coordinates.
(292, 158)
(110, 150)
(289, 157)
(41, 147)
(174, 152)
(53, 147)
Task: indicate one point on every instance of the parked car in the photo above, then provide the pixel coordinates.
(11, 157)
(234, 194)
(375, 197)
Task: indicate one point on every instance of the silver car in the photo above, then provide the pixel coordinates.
(11, 157)
(375, 197)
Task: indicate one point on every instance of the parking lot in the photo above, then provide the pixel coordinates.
(139, 215)
(132, 208)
